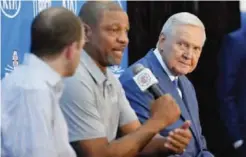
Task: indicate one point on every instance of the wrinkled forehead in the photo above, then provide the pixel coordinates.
(191, 34)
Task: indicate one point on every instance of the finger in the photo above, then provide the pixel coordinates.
(176, 143)
(174, 149)
(171, 148)
(184, 133)
(180, 137)
(186, 124)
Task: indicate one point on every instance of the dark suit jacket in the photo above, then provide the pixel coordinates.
(140, 102)
(232, 84)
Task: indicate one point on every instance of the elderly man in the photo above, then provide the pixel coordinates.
(177, 53)
(94, 102)
(32, 121)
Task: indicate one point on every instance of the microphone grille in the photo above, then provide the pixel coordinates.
(137, 68)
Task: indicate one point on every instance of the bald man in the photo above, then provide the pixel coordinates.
(32, 122)
(94, 103)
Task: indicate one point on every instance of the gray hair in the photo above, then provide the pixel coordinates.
(183, 18)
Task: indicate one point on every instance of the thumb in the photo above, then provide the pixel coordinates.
(186, 124)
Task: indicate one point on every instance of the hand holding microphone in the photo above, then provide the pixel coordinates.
(164, 109)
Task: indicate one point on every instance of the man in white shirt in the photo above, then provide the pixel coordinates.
(32, 122)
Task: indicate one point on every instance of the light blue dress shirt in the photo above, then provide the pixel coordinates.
(164, 66)
(32, 122)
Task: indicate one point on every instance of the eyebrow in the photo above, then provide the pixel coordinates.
(184, 40)
(118, 25)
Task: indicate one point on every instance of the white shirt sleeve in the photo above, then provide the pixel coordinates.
(27, 124)
(238, 144)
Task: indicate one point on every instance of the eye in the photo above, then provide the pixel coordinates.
(114, 29)
(197, 49)
(183, 45)
(180, 43)
(186, 45)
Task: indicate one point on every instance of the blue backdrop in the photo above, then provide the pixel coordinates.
(16, 17)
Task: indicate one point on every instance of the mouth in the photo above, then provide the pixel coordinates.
(185, 64)
(118, 52)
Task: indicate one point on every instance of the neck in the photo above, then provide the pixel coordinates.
(95, 59)
(170, 70)
(56, 65)
(102, 68)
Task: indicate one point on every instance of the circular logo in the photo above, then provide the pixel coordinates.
(144, 79)
(10, 8)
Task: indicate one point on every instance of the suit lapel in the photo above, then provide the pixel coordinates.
(186, 91)
(165, 83)
(168, 87)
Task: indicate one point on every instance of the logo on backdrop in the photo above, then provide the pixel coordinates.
(117, 70)
(39, 5)
(10, 8)
(15, 63)
(70, 5)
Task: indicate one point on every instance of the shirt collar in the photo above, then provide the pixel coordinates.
(93, 69)
(164, 66)
(43, 70)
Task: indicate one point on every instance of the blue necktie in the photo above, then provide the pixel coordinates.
(175, 82)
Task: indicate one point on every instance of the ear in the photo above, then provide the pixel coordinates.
(162, 38)
(88, 32)
(69, 51)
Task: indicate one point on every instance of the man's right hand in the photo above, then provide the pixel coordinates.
(165, 111)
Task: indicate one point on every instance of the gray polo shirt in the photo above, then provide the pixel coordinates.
(94, 104)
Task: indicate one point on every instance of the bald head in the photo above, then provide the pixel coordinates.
(91, 11)
(53, 29)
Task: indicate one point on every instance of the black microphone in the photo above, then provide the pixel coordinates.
(146, 81)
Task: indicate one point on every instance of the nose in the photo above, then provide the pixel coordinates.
(123, 38)
(188, 54)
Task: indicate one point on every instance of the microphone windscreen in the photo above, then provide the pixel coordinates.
(137, 68)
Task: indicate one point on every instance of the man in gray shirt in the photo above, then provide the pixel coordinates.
(94, 103)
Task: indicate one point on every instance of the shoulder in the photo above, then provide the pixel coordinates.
(80, 80)
(24, 96)
(236, 38)
(25, 78)
(233, 46)
(236, 34)
(187, 82)
(79, 89)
